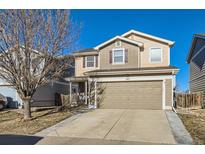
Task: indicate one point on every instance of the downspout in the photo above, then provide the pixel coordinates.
(139, 58)
(174, 109)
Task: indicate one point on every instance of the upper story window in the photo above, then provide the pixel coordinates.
(118, 56)
(90, 61)
(155, 55)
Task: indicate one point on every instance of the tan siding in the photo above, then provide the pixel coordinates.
(132, 95)
(168, 96)
(79, 70)
(133, 51)
(145, 53)
(136, 58)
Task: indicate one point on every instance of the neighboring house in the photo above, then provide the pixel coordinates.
(133, 70)
(44, 96)
(196, 61)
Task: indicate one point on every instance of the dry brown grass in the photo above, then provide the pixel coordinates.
(12, 122)
(194, 121)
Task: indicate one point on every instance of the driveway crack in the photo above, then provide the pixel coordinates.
(114, 125)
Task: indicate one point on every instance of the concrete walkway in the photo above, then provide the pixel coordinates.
(117, 126)
(179, 131)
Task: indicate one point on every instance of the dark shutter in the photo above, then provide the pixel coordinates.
(96, 61)
(126, 55)
(83, 62)
(110, 60)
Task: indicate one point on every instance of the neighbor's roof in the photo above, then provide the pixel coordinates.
(85, 52)
(119, 38)
(148, 36)
(194, 40)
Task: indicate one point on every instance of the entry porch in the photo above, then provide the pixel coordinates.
(83, 90)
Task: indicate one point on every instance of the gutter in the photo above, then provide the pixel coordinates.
(118, 72)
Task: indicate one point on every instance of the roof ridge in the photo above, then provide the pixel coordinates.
(149, 36)
(119, 37)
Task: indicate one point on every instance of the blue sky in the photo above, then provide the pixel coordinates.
(176, 25)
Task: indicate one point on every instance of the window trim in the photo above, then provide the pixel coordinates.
(158, 62)
(86, 62)
(123, 50)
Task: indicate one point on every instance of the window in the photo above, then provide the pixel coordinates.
(90, 61)
(118, 44)
(155, 55)
(118, 56)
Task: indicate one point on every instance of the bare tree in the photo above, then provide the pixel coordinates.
(100, 92)
(32, 49)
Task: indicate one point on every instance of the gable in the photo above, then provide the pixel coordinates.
(147, 36)
(197, 44)
(132, 56)
(124, 44)
(145, 40)
(199, 59)
(140, 44)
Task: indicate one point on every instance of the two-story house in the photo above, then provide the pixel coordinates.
(133, 69)
(196, 61)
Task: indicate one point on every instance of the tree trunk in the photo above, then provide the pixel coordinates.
(27, 108)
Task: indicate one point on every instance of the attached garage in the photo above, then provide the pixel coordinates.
(132, 95)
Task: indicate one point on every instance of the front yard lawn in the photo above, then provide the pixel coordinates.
(12, 122)
(194, 121)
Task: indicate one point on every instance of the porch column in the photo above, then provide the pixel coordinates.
(163, 94)
(95, 106)
(70, 92)
(86, 92)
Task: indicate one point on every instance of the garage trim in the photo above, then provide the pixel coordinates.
(136, 78)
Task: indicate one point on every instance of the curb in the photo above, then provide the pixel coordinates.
(48, 130)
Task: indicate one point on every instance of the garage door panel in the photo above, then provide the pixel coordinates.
(132, 95)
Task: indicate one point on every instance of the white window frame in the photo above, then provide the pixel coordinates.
(123, 50)
(150, 50)
(94, 62)
(120, 43)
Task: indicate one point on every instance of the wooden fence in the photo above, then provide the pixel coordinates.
(186, 100)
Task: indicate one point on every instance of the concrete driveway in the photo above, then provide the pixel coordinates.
(136, 126)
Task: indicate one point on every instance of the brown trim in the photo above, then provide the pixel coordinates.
(96, 61)
(84, 62)
(110, 57)
(126, 55)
